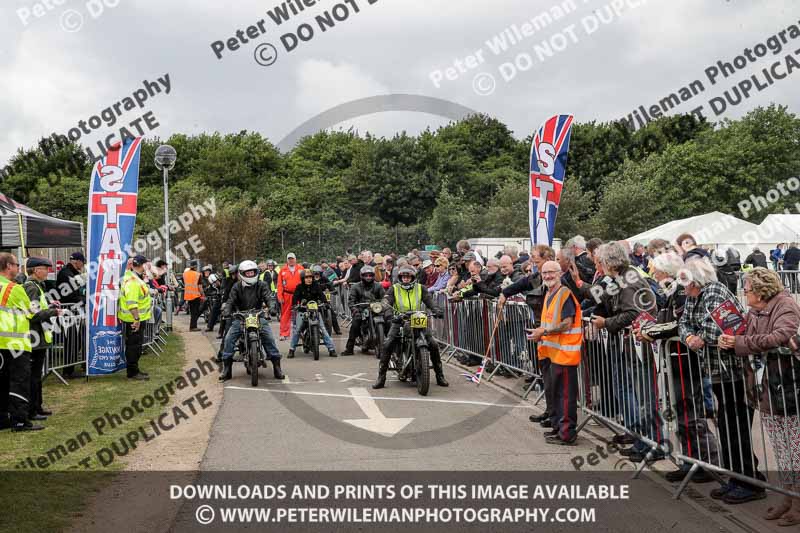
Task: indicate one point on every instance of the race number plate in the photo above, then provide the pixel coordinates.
(419, 321)
(251, 321)
(328, 296)
(312, 306)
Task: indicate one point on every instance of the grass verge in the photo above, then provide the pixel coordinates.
(47, 499)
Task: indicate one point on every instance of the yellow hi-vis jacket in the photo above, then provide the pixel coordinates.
(133, 294)
(15, 315)
(561, 348)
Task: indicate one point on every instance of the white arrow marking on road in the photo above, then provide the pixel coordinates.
(376, 421)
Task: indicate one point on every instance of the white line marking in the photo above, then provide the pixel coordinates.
(376, 421)
(348, 378)
(350, 397)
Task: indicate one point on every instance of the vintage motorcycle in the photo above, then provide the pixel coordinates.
(249, 349)
(310, 324)
(372, 323)
(413, 358)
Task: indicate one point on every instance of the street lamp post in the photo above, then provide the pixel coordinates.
(165, 160)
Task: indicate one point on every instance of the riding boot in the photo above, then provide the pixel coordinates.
(291, 354)
(437, 369)
(348, 348)
(227, 370)
(276, 368)
(382, 369)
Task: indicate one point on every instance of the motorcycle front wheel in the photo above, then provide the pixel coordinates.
(254, 350)
(314, 339)
(423, 370)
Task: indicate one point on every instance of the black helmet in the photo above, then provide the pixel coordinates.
(367, 274)
(407, 270)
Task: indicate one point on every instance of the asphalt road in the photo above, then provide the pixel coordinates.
(325, 417)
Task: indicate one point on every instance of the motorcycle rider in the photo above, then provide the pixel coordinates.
(365, 291)
(325, 284)
(308, 290)
(214, 293)
(408, 295)
(248, 293)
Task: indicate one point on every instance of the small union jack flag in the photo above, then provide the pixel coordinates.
(476, 377)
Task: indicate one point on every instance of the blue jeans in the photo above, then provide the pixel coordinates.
(267, 340)
(298, 328)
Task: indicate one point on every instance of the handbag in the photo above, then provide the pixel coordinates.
(783, 382)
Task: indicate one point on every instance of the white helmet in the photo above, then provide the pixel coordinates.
(213, 278)
(248, 272)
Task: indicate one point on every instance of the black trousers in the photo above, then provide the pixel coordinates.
(564, 391)
(194, 311)
(544, 368)
(355, 331)
(19, 386)
(735, 423)
(133, 348)
(687, 383)
(5, 382)
(216, 309)
(37, 365)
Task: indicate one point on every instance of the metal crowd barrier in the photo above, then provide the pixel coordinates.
(339, 299)
(467, 329)
(661, 394)
(69, 337)
(658, 393)
(69, 342)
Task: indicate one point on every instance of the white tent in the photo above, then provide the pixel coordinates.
(715, 228)
(780, 228)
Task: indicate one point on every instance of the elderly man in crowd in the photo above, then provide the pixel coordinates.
(575, 250)
(627, 296)
(687, 370)
(559, 339)
(734, 416)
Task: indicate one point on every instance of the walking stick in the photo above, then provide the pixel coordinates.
(489, 346)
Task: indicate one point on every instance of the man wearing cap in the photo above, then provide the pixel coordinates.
(289, 279)
(70, 288)
(41, 332)
(431, 274)
(134, 308)
(193, 293)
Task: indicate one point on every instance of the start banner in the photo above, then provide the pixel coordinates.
(112, 214)
(548, 167)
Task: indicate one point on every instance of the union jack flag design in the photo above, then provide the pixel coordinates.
(476, 377)
(548, 167)
(112, 215)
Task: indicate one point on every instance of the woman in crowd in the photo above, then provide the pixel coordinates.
(443, 267)
(695, 439)
(700, 333)
(772, 324)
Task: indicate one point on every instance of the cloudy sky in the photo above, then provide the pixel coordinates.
(62, 65)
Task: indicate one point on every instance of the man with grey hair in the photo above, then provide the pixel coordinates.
(512, 252)
(700, 332)
(366, 256)
(627, 295)
(575, 248)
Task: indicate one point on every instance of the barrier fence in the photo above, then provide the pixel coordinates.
(68, 350)
(711, 410)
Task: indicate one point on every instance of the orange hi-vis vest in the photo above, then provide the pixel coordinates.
(561, 348)
(191, 285)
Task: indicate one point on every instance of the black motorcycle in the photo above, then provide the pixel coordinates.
(208, 306)
(310, 323)
(249, 346)
(372, 327)
(413, 357)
